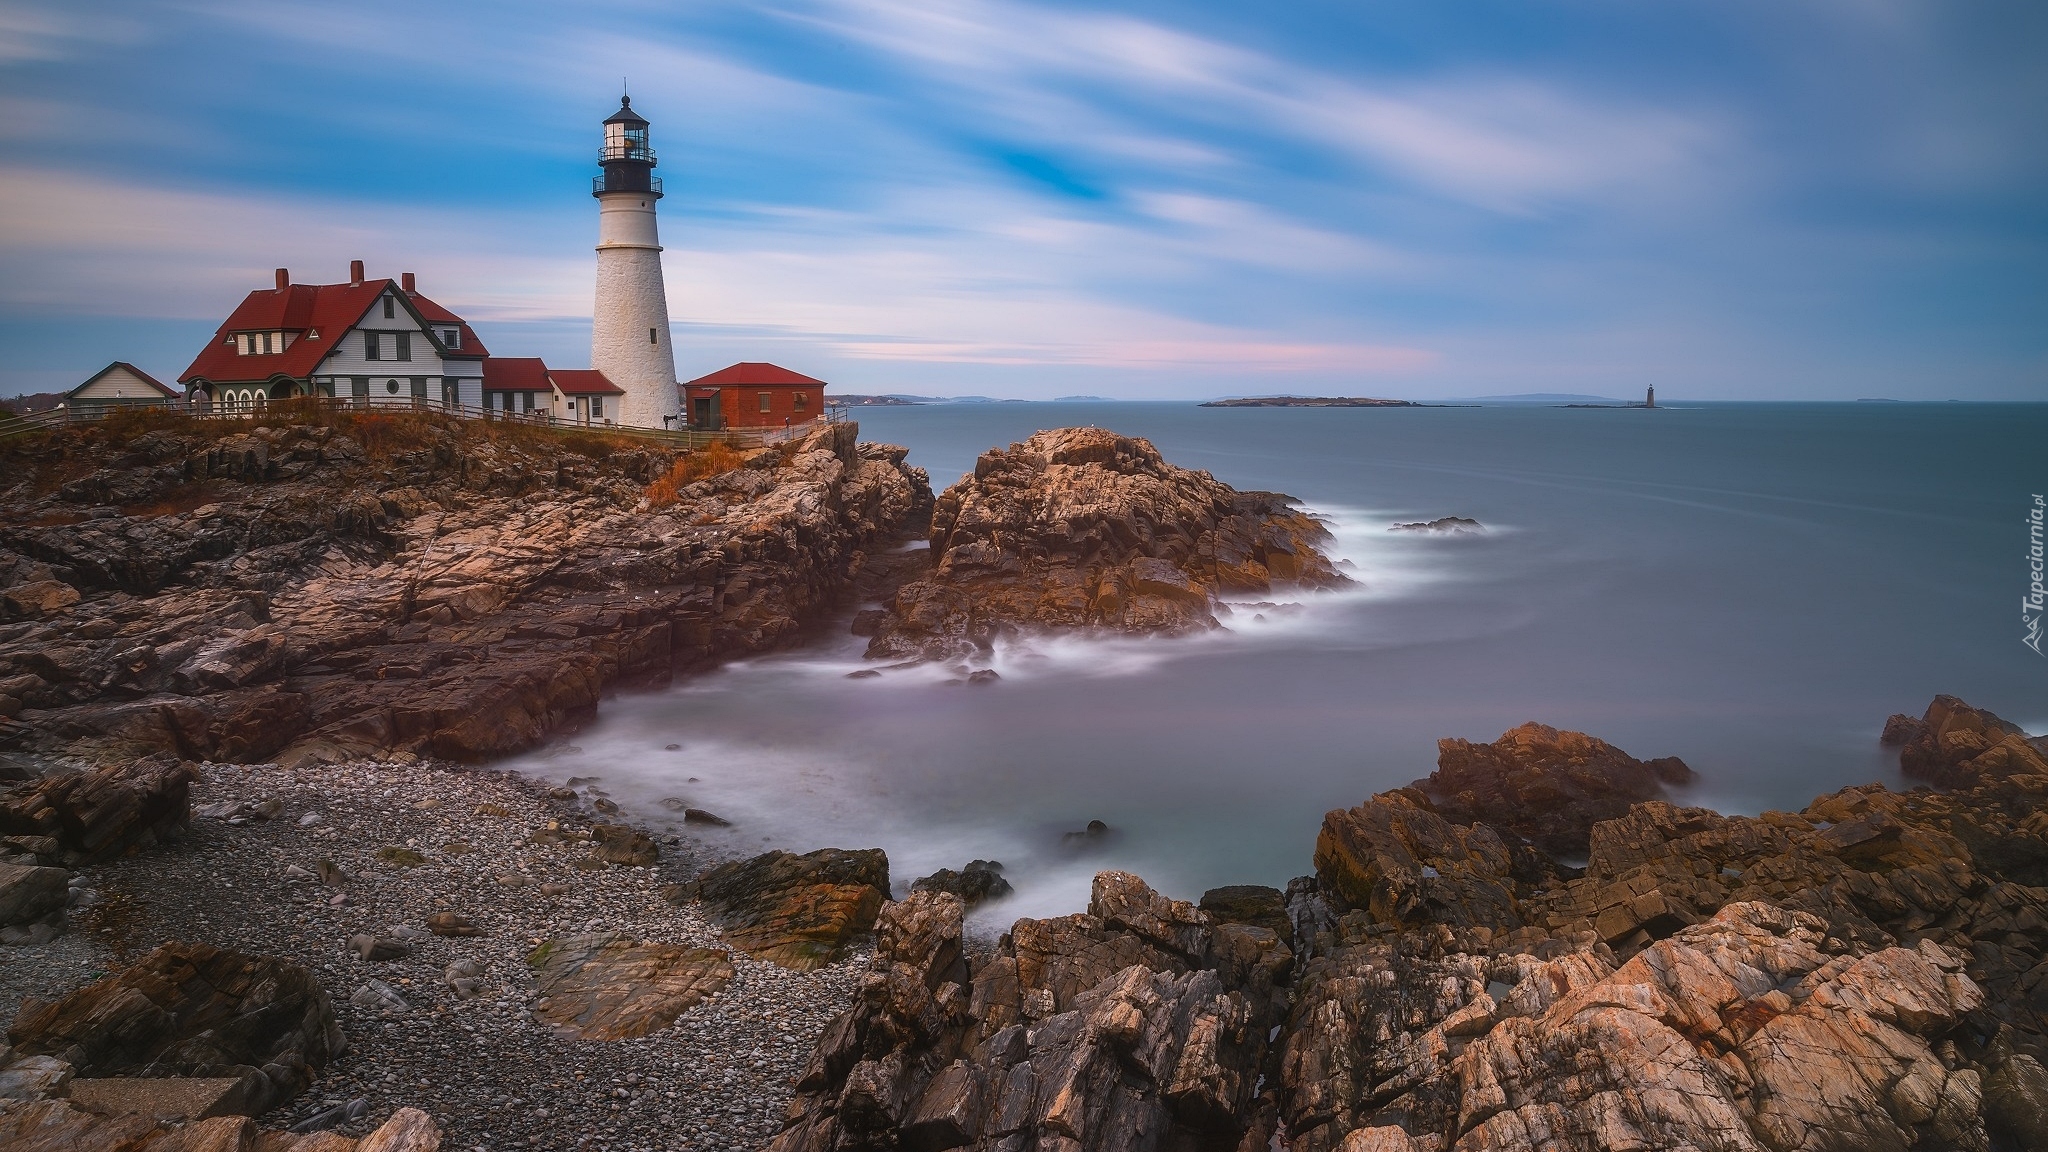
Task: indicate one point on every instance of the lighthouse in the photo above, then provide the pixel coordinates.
(629, 336)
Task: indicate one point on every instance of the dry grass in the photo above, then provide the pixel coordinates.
(708, 461)
(60, 454)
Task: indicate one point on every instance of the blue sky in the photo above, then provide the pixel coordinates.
(1727, 199)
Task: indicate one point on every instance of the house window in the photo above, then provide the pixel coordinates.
(767, 401)
(373, 348)
(801, 401)
(652, 336)
(359, 386)
(452, 337)
(390, 307)
(404, 344)
(596, 407)
(391, 386)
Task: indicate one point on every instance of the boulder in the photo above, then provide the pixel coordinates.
(624, 846)
(608, 986)
(1957, 746)
(193, 1010)
(1083, 528)
(1545, 786)
(977, 883)
(1396, 859)
(29, 894)
(99, 815)
(797, 911)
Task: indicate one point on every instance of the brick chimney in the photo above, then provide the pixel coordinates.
(405, 282)
(284, 279)
(355, 273)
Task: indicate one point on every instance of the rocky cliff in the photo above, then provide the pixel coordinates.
(1083, 528)
(321, 586)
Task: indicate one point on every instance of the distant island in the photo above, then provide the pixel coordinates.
(870, 401)
(1313, 402)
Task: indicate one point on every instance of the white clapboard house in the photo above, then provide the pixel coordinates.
(373, 340)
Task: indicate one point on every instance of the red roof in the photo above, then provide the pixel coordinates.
(326, 309)
(753, 372)
(515, 374)
(581, 382)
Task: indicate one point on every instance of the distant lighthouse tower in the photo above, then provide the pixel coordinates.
(629, 337)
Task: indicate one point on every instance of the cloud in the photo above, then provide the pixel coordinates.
(1504, 143)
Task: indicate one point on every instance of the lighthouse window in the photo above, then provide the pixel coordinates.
(652, 338)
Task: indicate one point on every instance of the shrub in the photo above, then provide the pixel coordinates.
(711, 460)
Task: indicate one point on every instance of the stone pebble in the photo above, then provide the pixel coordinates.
(488, 1071)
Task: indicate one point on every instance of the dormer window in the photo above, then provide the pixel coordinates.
(452, 337)
(390, 307)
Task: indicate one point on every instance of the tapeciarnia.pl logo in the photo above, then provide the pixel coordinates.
(2032, 605)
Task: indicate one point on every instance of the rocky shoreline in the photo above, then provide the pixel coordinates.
(317, 587)
(1532, 947)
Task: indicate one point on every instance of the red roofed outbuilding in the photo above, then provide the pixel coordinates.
(753, 394)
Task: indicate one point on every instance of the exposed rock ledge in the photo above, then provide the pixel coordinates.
(1081, 527)
(1867, 974)
(342, 587)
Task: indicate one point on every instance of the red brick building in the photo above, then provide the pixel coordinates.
(752, 395)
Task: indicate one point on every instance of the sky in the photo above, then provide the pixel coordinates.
(1726, 199)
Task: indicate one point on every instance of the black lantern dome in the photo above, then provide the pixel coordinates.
(627, 159)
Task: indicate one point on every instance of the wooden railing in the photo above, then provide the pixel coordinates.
(683, 439)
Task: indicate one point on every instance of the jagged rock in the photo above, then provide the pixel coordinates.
(1957, 746)
(192, 1010)
(98, 815)
(980, 881)
(623, 845)
(1396, 859)
(608, 986)
(1740, 1033)
(798, 911)
(1543, 785)
(1087, 1032)
(464, 597)
(1081, 527)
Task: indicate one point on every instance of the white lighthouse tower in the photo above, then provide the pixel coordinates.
(629, 336)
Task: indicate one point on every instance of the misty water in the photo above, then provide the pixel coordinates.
(1752, 587)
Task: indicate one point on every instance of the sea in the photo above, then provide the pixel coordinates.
(1752, 587)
